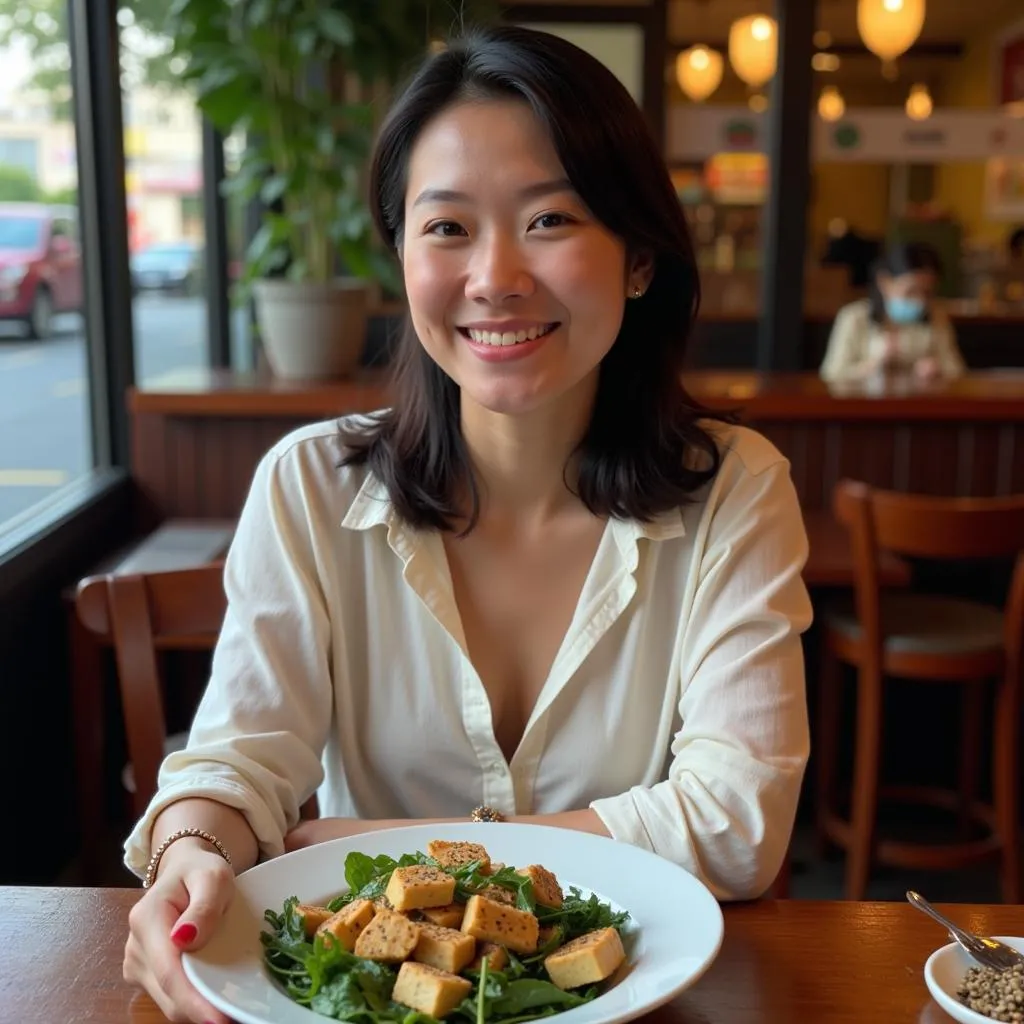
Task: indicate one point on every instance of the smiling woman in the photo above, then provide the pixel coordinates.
(545, 584)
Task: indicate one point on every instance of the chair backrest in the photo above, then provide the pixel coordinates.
(140, 615)
(931, 527)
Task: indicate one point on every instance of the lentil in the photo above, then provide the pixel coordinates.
(996, 994)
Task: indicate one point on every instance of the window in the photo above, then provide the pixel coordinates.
(163, 141)
(44, 412)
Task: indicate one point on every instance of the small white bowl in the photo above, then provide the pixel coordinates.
(944, 971)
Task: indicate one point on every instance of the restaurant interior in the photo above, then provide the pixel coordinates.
(141, 379)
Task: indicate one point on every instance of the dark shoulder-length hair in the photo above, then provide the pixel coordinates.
(645, 451)
(904, 258)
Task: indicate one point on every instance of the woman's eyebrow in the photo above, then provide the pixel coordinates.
(535, 191)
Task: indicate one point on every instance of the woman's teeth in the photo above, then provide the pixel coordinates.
(508, 337)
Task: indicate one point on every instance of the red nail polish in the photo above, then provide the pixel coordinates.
(183, 934)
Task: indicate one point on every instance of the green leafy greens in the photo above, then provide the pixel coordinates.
(330, 981)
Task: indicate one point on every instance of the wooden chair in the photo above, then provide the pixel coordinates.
(928, 638)
(140, 616)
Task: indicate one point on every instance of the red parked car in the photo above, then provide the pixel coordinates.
(40, 264)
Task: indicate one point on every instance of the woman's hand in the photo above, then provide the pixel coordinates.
(181, 911)
(926, 368)
(889, 357)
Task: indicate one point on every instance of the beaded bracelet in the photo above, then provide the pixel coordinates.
(184, 833)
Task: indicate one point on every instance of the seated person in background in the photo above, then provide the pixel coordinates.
(898, 327)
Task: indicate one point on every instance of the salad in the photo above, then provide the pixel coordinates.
(444, 934)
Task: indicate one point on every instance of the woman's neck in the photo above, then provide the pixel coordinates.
(523, 463)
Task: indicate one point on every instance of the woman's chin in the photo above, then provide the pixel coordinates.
(503, 401)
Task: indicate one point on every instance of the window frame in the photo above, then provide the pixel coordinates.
(30, 541)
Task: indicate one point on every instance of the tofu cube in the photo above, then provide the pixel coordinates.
(547, 935)
(457, 855)
(312, 917)
(425, 988)
(546, 890)
(586, 960)
(497, 958)
(495, 867)
(348, 923)
(419, 886)
(444, 948)
(389, 938)
(499, 894)
(383, 903)
(449, 916)
(494, 922)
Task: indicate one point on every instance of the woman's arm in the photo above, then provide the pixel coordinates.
(727, 808)
(947, 352)
(846, 358)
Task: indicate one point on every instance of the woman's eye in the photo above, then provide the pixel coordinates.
(551, 220)
(446, 229)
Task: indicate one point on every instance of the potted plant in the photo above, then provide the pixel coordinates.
(275, 69)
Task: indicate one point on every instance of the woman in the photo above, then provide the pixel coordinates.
(545, 581)
(898, 328)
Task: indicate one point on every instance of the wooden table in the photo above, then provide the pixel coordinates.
(781, 962)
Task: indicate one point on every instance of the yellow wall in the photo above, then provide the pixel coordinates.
(960, 187)
(859, 193)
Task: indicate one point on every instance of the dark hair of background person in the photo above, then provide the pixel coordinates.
(645, 451)
(905, 258)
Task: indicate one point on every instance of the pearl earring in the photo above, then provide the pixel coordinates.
(637, 292)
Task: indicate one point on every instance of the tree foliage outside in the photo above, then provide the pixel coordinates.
(272, 69)
(19, 186)
(42, 26)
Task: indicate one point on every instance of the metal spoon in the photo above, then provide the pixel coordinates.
(988, 952)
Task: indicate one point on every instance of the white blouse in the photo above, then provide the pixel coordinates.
(856, 342)
(675, 707)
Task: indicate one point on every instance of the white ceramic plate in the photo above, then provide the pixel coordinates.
(675, 928)
(943, 972)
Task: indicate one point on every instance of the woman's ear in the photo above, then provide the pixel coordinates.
(640, 271)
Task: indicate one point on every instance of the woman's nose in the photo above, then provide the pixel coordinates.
(498, 271)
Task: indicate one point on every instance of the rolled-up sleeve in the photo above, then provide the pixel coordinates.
(726, 810)
(947, 352)
(846, 358)
(259, 731)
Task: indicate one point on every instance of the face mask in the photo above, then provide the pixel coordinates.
(901, 310)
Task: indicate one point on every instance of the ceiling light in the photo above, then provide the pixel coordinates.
(699, 72)
(753, 48)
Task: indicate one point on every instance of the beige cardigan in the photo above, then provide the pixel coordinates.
(856, 342)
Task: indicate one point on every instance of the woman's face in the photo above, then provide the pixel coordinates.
(906, 296)
(514, 288)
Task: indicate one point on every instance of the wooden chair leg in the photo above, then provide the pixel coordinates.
(973, 712)
(868, 745)
(830, 676)
(1006, 787)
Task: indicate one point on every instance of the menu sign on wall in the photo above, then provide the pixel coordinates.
(867, 136)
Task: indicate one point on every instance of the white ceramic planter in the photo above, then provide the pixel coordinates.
(312, 331)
